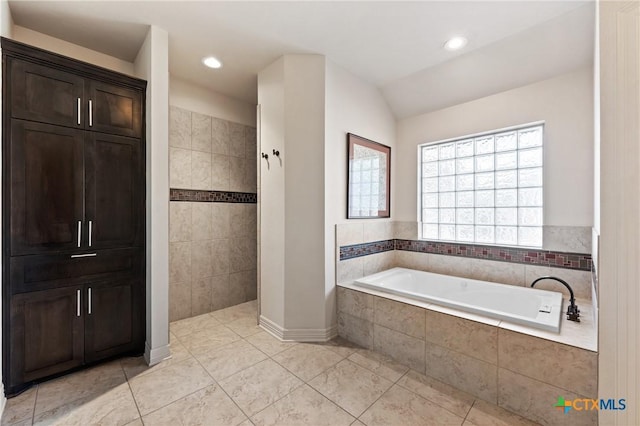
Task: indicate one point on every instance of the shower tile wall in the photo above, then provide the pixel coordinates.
(212, 259)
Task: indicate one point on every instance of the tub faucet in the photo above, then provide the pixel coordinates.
(573, 313)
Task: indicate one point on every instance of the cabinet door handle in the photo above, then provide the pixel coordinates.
(89, 300)
(78, 296)
(75, 256)
(79, 110)
(90, 232)
(90, 113)
(79, 232)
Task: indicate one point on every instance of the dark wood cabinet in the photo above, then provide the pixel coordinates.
(45, 94)
(46, 186)
(73, 215)
(114, 181)
(111, 325)
(114, 109)
(47, 333)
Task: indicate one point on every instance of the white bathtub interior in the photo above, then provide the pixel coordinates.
(541, 309)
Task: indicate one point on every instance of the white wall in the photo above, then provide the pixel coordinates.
(152, 64)
(199, 99)
(271, 182)
(6, 29)
(303, 158)
(564, 102)
(44, 41)
(352, 106)
(291, 94)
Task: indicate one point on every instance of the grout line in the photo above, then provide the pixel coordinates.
(135, 401)
(222, 389)
(470, 408)
(35, 403)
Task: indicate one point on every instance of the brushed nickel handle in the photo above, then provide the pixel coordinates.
(89, 301)
(75, 256)
(78, 296)
(90, 113)
(79, 110)
(79, 232)
(90, 232)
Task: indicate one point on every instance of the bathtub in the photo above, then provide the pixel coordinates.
(531, 307)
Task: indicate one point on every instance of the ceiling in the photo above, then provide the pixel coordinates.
(397, 46)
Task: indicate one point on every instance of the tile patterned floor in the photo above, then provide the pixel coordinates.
(225, 370)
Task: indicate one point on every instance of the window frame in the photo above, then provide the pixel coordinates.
(473, 137)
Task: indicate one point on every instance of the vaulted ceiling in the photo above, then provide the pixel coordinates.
(396, 46)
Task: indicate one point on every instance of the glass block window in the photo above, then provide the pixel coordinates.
(484, 189)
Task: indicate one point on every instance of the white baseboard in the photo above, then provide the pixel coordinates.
(156, 355)
(298, 335)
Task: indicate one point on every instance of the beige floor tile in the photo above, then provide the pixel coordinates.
(352, 387)
(189, 325)
(112, 407)
(243, 310)
(380, 364)
(268, 344)
(245, 327)
(259, 386)
(154, 390)
(137, 366)
(485, 414)
(20, 407)
(229, 359)
(204, 341)
(26, 422)
(208, 406)
(446, 396)
(303, 406)
(341, 346)
(246, 423)
(398, 406)
(136, 422)
(307, 361)
(358, 423)
(79, 385)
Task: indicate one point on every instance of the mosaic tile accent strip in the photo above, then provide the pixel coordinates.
(502, 254)
(212, 196)
(359, 250)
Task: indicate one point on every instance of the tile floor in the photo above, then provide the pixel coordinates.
(227, 371)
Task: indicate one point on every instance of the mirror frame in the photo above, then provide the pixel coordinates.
(352, 141)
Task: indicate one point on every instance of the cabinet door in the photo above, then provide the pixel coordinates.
(46, 94)
(47, 196)
(114, 318)
(46, 333)
(114, 109)
(114, 191)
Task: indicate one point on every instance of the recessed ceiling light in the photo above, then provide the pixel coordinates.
(455, 43)
(212, 62)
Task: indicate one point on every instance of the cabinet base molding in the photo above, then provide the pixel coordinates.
(153, 356)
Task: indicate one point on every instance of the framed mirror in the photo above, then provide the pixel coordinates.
(369, 168)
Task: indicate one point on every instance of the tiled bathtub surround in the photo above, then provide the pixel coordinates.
(503, 254)
(523, 373)
(365, 249)
(212, 223)
(369, 260)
